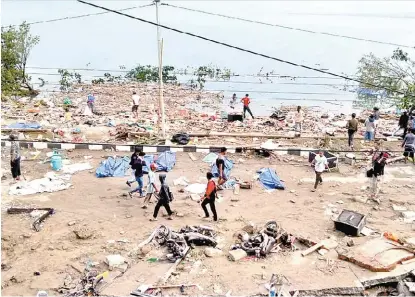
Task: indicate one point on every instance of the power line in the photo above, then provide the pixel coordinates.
(244, 50)
(287, 27)
(77, 16)
(184, 72)
(245, 82)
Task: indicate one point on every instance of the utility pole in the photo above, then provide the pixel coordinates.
(160, 56)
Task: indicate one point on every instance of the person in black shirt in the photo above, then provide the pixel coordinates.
(164, 198)
(220, 163)
(403, 124)
(137, 163)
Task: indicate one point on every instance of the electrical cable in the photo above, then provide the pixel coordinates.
(77, 16)
(287, 27)
(185, 72)
(245, 50)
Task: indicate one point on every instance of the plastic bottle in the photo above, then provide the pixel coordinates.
(272, 291)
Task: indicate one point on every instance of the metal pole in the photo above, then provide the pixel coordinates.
(161, 99)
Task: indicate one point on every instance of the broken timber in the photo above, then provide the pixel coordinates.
(167, 275)
(36, 223)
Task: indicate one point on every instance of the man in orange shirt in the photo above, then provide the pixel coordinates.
(246, 102)
(210, 197)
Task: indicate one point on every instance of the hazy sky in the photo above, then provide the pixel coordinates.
(109, 40)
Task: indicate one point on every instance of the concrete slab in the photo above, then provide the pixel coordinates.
(378, 254)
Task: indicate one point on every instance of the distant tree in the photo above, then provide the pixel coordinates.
(150, 73)
(68, 79)
(396, 73)
(16, 45)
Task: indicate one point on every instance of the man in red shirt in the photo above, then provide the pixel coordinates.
(246, 102)
(210, 197)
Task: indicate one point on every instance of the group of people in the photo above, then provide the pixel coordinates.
(406, 123)
(163, 194)
(246, 101)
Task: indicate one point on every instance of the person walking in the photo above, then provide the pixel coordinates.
(220, 163)
(376, 116)
(402, 124)
(246, 101)
(136, 102)
(320, 164)
(379, 161)
(164, 199)
(351, 126)
(137, 163)
(370, 128)
(210, 197)
(91, 102)
(299, 119)
(233, 101)
(14, 158)
(151, 187)
(409, 146)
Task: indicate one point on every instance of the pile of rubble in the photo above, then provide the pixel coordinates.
(62, 116)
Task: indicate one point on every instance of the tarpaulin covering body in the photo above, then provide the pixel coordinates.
(113, 167)
(270, 180)
(165, 161)
(228, 168)
(24, 126)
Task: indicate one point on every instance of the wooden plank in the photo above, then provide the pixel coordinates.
(192, 157)
(167, 275)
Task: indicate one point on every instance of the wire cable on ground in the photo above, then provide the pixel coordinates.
(287, 27)
(245, 50)
(77, 16)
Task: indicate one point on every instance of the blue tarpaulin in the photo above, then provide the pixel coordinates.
(24, 126)
(113, 167)
(166, 161)
(228, 168)
(270, 180)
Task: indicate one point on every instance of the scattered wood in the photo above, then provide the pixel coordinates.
(38, 221)
(326, 243)
(192, 157)
(167, 275)
(143, 243)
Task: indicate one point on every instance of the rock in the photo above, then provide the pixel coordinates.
(123, 267)
(194, 197)
(114, 261)
(250, 228)
(144, 250)
(234, 199)
(179, 215)
(398, 207)
(212, 252)
(408, 215)
(292, 201)
(83, 233)
(350, 243)
(360, 199)
(71, 223)
(236, 255)
(175, 273)
(340, 202)
(37, 213)
(292, 191)
(217, 289)
(364, 188)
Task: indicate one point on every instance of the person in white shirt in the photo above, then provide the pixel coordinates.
(298, 119)
(370, 128)
(136, 102)
(320, 164)
(151, 187)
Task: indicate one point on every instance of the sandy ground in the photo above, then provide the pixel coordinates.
(99, 205)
